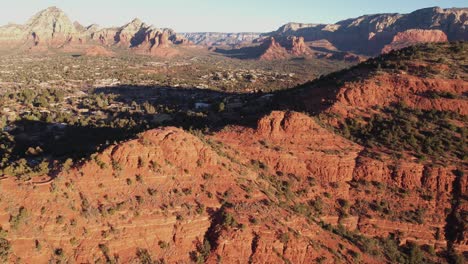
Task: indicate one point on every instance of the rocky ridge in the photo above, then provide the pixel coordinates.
(413, 37)
(48, 27)
(51, 28)
(289, 47)
(366, 86)
(183, 198)
(291, 188)
(188, 178)
(370, 33)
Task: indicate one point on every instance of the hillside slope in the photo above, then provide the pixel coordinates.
(345, 182)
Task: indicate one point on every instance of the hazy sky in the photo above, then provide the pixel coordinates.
(214, 15)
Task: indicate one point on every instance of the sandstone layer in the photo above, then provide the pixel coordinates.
(369, 34)
(413, 37)
(52, 29)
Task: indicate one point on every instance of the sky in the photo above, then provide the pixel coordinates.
(214, 15)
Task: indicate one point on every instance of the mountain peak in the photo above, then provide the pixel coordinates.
(135, 23)
(429, 10)
(50, 11)
(133, 26)
(50, 23)
(53, 8)
(136, 20)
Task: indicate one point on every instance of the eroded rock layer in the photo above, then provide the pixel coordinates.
(51, 28)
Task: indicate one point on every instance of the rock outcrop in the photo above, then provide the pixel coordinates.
(272, 50)
(259, 195)
(141, 38)
(133, 195)
(174, 196)
(305, 148)
(51, 28)
(286, 48)
(289, 189)
(414, 36)
(156, 42)
(105, 36)
(126, 36)
(365, 89)
(297, 47)
(389, 89)
(288, 144)
(370, 33)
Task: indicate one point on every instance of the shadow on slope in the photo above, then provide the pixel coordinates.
(244, 53)
(192, 107)
(134, 109)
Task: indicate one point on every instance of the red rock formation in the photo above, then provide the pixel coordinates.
(356, 98)
(306, 149)
(387, 89)
(406, 175)
(368, 34)
(144, 193)
(51, 28)
(157, 43)
(273, 50)
(127, 34)
(414, 36)
(104, 36)
(293, 144)
(297, 47)
(104, 196)
(323, 44)
(292, 46)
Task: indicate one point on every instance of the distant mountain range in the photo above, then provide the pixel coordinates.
(366, 35)
(220, 38)
(369, 34)
(51, 28)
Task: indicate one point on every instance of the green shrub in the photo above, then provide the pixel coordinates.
(143, 256)
(284, 238)
(18, 219)
(5, 248)
(423, 133)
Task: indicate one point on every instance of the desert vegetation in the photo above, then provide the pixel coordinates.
(426, 134)
(212, 168)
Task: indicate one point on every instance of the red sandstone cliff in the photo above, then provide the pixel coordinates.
(414, 36)
(273, 50)
(172, 193)
(51, 28)
(290, 47)
(297, 47)
(369, 34)
(166, 191)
